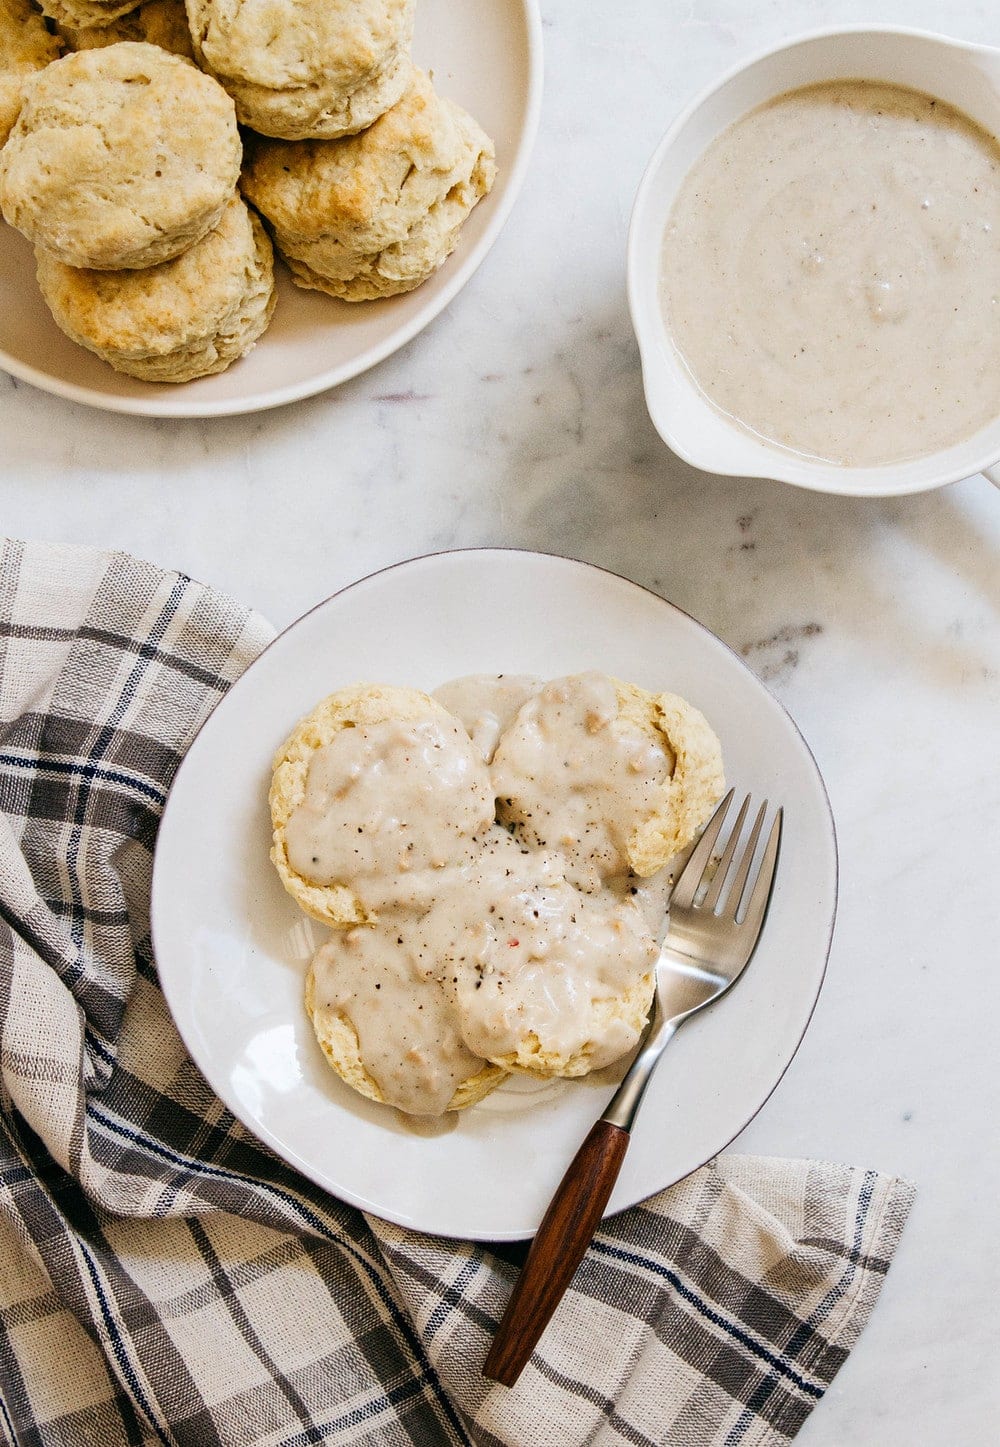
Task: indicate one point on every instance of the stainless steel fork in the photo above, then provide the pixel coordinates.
(716, 917)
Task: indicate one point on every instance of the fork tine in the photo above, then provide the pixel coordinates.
(734, 896)
(714, 891)
(760, 892)
(687, 885)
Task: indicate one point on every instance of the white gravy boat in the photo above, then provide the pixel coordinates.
(967, 76)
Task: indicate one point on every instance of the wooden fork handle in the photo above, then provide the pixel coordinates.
(559, 1246)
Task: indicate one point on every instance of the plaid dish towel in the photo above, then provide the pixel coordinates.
(165, 1279)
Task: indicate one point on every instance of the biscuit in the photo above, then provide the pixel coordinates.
(695, 786)
(339, 1042)
(185, 318)
(639, 822)
(614, 1025)
(511, 941)
(25, 46)
(374, 215)
(363, 706)
(121, 157)
(299, 68)
(157, 22)
(86, 13)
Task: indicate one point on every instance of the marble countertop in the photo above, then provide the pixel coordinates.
(518, 419)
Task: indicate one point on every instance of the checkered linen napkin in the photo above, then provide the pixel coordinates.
(165, 1279)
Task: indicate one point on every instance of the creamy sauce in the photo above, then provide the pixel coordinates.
(570, 774)
(507, 949)
(524, 952)
(486, 704)
(388, 805)
(483, 937)
(408, 1036)
(831, 273)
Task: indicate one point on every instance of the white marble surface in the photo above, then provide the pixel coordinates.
(518, 419)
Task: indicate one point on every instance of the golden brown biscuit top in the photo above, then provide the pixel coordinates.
(159, 22)
(286, 43)
(115, 147)
(25, 46)
(308, 188)
(156, 308)
(25, 43)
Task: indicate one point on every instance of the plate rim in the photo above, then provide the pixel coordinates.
(170, 405)
(291, 1156)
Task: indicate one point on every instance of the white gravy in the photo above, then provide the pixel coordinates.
(485, 704)
(571, 775)
(388, 805)
(482, 934)
(831, 273)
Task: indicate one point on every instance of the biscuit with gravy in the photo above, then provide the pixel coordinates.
(616, 778)
(121, 157)
(376, 214)
(300, 68)
(334, 843)
(613, 1025)
(339, 1040)
(185, 318)
(542, 976)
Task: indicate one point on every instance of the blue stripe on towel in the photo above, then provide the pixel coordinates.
(635, 1258)
(88, 772)
(118, 1344)
(190, 1163)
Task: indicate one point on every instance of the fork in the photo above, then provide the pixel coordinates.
(708, 944)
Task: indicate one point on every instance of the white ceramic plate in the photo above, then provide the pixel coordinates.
(485, 54)
(232, 947)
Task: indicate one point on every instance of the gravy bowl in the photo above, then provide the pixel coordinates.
(966, 76)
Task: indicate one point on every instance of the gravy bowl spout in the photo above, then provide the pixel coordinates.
(963, 76)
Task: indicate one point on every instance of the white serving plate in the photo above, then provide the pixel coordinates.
(485, 54)
(232, 947)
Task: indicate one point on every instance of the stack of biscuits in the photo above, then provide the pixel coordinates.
(129, 132)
